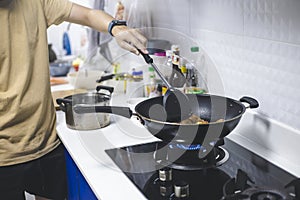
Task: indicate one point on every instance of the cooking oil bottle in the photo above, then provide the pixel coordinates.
(150, 82)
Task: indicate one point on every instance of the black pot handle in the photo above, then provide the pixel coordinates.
(63, 103)
(104, 78)
(253, 103)
(103, 87)
(117, 110)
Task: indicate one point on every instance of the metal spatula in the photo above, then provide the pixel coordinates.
(175, 102)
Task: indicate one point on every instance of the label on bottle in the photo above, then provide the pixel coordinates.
(175, 59)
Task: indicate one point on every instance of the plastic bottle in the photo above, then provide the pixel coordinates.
(159, 89)
(137, 75)
(159, 59)
(169, 58)
(116, 68)
(134, 84)
(150, 83)
(177, 78)
(192, 77)
(189, 75)
(183, 69)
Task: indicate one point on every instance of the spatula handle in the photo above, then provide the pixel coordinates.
(149, 60)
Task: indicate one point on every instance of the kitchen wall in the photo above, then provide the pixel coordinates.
(254, 44)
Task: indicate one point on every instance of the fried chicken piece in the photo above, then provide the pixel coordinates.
(194, 119)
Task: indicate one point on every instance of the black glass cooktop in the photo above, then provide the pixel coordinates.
(236, 173)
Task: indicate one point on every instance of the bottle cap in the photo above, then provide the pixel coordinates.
(162, 54)
(195, 49)
(137, 73)
(151, 69)
(175, 47)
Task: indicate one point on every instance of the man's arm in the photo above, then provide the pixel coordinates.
(129, 39)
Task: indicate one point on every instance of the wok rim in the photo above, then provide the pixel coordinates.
(179, 124)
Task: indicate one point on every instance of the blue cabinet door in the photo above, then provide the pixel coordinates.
(78, 188)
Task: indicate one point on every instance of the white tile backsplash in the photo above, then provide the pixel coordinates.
(172, 14)
(272, 19)
(217, 15)
(254, 44)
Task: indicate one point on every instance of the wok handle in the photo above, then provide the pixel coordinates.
(103, 87)
(63, 103)
(104, 78)
(116, 110)
(253, 103)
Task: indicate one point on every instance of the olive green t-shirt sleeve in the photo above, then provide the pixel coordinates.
(56, 11)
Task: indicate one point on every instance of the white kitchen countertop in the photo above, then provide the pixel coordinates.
(258, 134)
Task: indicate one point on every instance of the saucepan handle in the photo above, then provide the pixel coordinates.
(63, 103)
(253, 103)
(117, 110)
(105, 78)
(103, 87)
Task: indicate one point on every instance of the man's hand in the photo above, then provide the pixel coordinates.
(130, 39)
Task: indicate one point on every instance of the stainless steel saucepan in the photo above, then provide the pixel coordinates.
(86, 121)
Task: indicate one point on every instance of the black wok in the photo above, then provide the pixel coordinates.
(209, 107)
